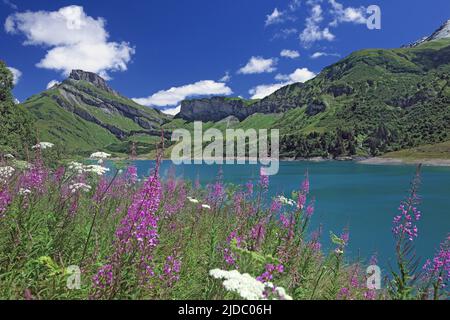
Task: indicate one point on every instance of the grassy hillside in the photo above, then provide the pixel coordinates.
(432, 151)
(84, 116)
(372, 102)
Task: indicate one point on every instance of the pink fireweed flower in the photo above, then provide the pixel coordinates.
(370, 294)
(438, 269)
(171, 271)
(238, 199)
(234, 236)
(139, 226)
(285, 221)
(301, 201)
(34, 179)
(263, 179)
(404, 224)
(305, 184)
(228, 255)
(131, 175)
(270, 271)
(258, 234)
(100, 192)
(345, 236)
(59, 174)
(137, 234)
(174, 199)
(310, 210)
(216, 191)
(249, 188)
(5, 200)
(344, 293)
(276, 206)
(314, 243)
(104, 277)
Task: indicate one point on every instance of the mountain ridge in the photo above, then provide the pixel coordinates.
(443, 32)
(84, 103)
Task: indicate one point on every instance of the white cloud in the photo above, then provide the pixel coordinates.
(262, 91)
(75, 40)
(258, 65)
(52, 83)
(349, 14)
(17, 74)
(319, 54)
(275, 17)
(175, 95)
(313, 31)
(226, 77)
(289, 53)
(299, 75)
(171, 111)
(294, 5)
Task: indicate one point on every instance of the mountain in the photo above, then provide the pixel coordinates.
(442, 33)
(84, 114)
(371, 102)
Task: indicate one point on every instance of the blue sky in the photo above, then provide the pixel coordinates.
(146, 48)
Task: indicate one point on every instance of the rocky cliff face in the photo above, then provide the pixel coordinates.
(218, 108)
(93, 78)
(442, 33)
(213, 109)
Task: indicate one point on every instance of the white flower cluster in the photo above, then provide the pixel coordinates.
(6, 173)
(43, 145)
(24, 192)
(286, 201)
(246, 286)
(100, 155)
(79, 186)
(92, 168)
(193, 200)
(243, 284)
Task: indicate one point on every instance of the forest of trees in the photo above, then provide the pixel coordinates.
(17, 133)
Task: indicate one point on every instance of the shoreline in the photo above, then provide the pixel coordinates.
(360, 160)
(400, 161)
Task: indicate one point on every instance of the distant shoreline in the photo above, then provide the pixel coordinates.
(399, 161)
(361, 160)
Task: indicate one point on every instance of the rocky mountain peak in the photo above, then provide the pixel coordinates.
(90, 77)
(443, 32)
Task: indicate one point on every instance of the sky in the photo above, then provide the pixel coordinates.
(160, 52)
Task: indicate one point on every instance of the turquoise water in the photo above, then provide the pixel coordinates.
(363, 198)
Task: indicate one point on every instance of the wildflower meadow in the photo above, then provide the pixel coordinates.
(80, 230)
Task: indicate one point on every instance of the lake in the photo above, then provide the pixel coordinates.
(362, 197)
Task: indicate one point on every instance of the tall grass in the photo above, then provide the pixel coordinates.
(160, 239)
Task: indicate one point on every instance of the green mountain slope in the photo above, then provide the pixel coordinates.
(372, 102)
(83, 114)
